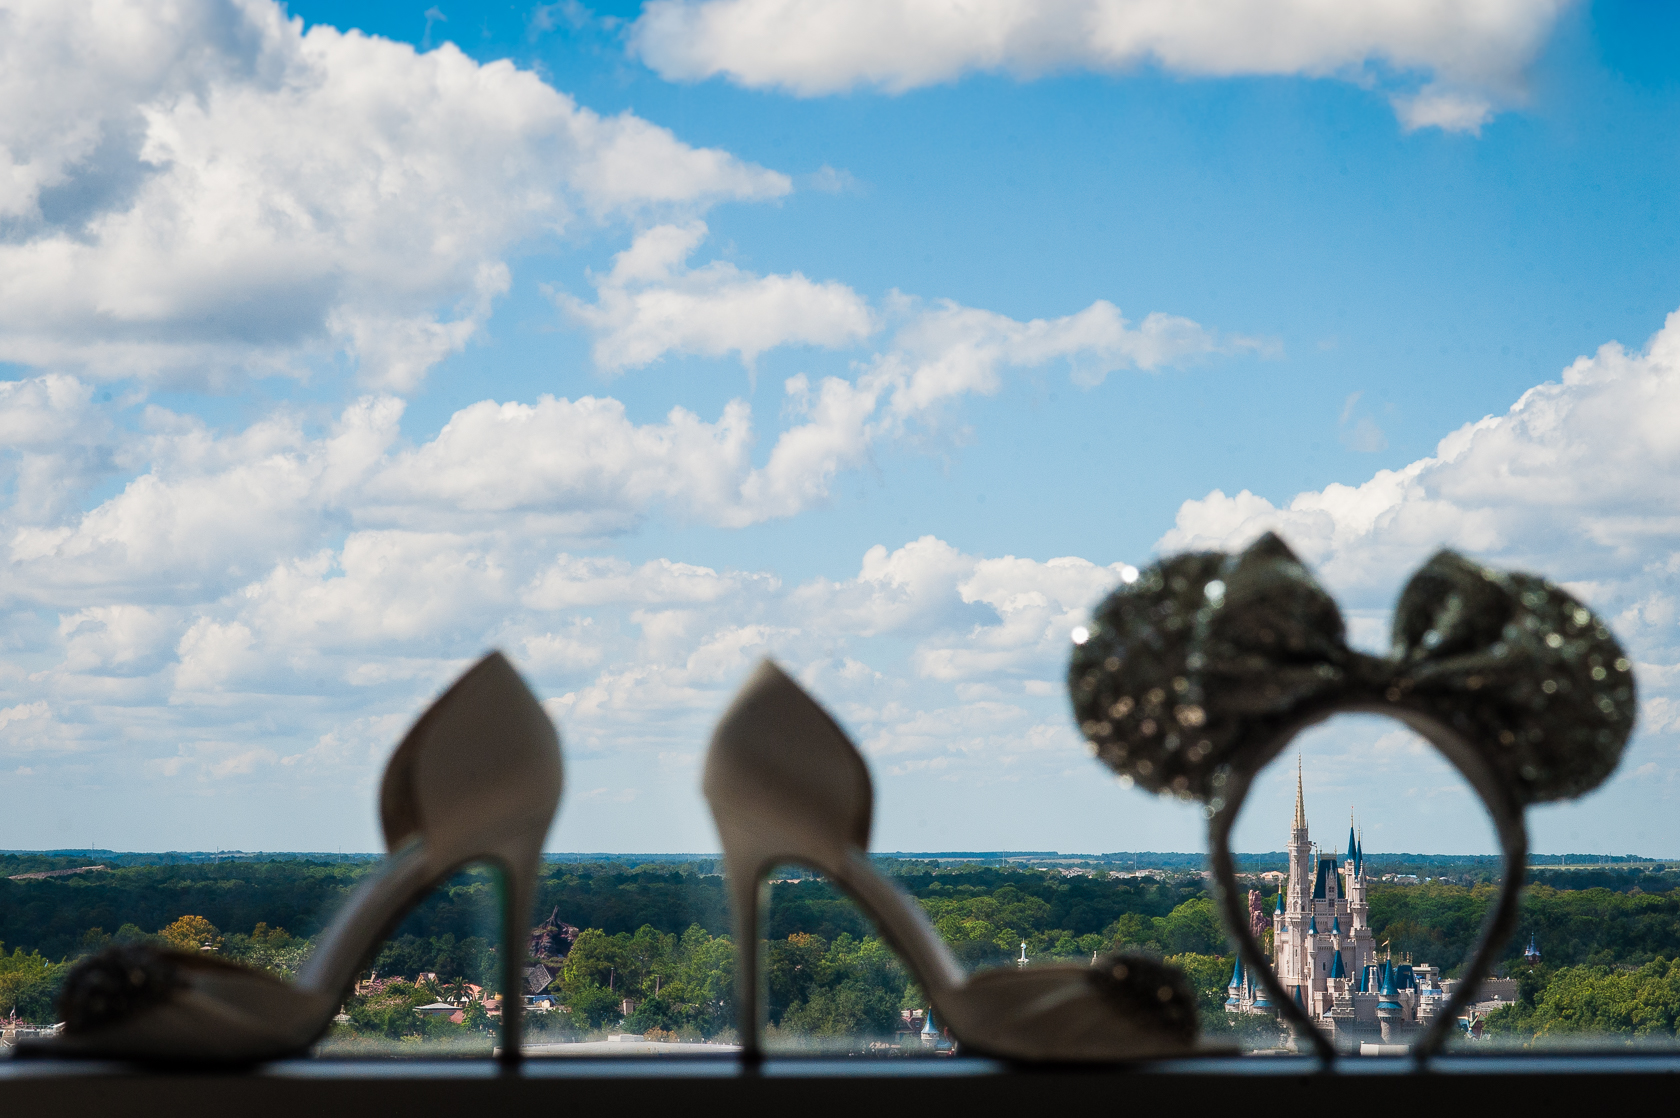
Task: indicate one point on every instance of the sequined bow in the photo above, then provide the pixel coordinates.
(1206, 657)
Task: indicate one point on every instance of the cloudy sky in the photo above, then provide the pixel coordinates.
(342, 342)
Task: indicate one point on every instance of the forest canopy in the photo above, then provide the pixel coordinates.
(652, 952)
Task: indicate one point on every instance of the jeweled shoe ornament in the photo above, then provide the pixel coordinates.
(1191, 678)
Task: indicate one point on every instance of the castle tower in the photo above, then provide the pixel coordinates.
(1292, 943)
(1389, 1013)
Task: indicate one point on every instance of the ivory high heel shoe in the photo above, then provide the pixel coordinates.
(786, 786)
(477, 778)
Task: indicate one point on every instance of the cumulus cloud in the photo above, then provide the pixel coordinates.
(599, 580)
(200, 511)
(651, 304)
(940, 660)
(975, 617)
(202, 186)
(1576, 479)
(950, 348)
(1471, 55)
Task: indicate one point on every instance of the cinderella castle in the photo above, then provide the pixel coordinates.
(1325, 954)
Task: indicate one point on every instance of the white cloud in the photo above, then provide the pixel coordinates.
(960, 349)
(1576, 480)
(549, 652)
(207, 510)
(975, 618)
(23, 712)
(115, 639)
(1472, 53)
(591, 581)
(1446, 109)
(202, 187)
(202, 512)
(651, 304)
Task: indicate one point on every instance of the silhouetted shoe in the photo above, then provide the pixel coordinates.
(786, 786)
(477, 779)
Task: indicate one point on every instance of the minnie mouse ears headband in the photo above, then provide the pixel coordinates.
(1189, 675)
(1194, 675)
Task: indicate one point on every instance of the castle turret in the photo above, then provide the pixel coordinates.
(1388, 1004)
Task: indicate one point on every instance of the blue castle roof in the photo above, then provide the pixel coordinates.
(1312, 924)
(1336, 968)
(1237, 974)
(1390, 997)
(1326, 866)
(1335, 925)
(1279, 909)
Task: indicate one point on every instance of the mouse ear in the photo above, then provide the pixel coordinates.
(1200, 661)
(1531, 678)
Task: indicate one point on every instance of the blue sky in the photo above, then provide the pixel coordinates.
(337, 358)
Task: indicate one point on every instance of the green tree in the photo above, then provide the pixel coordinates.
(192, 933)
(30, 984)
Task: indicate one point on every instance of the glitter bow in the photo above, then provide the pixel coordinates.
(1206, 658)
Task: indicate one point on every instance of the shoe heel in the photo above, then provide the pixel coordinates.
(518, 863)
(784, 785)
(745, 877)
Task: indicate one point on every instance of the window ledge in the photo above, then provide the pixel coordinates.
(808, 1087)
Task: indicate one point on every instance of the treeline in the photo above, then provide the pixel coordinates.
(1567, 1005)
(1604, 927)
(658, 936)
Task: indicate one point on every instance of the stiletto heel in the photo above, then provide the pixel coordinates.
(519, 866)
(745, 894)
(478, 778)
(786, 785)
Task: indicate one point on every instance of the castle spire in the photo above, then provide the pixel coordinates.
(1300, 800)
(1352, 840)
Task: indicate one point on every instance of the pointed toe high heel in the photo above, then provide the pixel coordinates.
(785, 785)
(477, 779)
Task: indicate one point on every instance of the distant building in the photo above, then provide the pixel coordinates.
(1531, 955)
(537, 978)
(1326, 956)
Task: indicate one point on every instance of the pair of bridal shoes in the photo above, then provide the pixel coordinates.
(476, 780)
